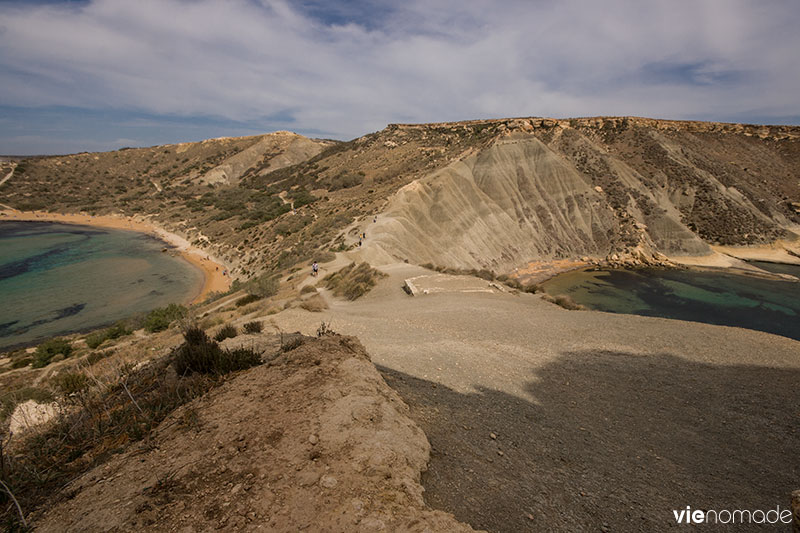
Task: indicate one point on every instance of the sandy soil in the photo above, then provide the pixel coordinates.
(211, 267)
(777, 252)
(600, 421)
(539, 271)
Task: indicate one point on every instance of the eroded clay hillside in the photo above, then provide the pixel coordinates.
(487, 194)
(608, 187)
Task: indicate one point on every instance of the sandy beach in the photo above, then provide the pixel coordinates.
(212, 268)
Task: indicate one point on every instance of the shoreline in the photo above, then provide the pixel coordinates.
(211, 267)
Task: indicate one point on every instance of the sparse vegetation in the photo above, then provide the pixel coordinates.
(161, 318)
(308, 289)
(126, 408)
(10, 399)
(247, 299)
(94, 357)
(227, 331)
(50, 350)
(533, 288)
(114, 332)
(200, 354)
(21, 362)
(353, 281)
(253, 327)
(564, 301)
(71, 383)
(315, 304)
(292, 342)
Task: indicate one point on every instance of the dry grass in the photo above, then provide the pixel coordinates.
(315, 304)
(106, 417)
(564, 301)
(353, 281)
(108, 412)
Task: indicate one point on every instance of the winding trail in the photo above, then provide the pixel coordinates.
(8, 176)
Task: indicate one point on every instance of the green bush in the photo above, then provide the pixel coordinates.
(247, 299)
(21, 362)
(228, 331)
(94, 357)
(114, 332)
(253, 327)
(202, 355)
(46, 351)
(263, 286)
(70, 383)
(160, 319)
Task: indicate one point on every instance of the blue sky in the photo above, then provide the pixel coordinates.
(104, 74)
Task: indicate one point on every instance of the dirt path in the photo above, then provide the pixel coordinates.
(602, 420)
(8, 176)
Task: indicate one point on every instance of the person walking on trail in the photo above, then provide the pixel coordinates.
(315, 269)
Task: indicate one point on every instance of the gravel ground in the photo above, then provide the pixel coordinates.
(600, 421)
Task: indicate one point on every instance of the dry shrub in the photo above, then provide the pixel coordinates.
(564, 301)
(108, 417)
(202, 355)
(253, 327)
(292, 342)
(315, 304)
(210, 322)
(228, 331)
(248, 299)
(533, 288)
(353, 281)
(308, 289)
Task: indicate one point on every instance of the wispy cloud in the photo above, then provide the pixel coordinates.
(343, 69)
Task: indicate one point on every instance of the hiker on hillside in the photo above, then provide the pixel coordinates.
(315, 269)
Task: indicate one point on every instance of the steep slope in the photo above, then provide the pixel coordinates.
(626, 189)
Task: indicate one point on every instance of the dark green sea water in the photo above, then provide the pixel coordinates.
(58, 278)
(699, 296)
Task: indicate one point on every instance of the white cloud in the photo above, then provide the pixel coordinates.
(424, 61)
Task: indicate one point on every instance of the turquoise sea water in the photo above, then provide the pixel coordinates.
(700, 296)
(59, 278)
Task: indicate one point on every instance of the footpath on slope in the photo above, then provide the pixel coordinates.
(314, 440)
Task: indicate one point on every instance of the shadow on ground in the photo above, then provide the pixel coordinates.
(612, 441)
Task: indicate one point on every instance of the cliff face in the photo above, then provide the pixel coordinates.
(636, 188)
